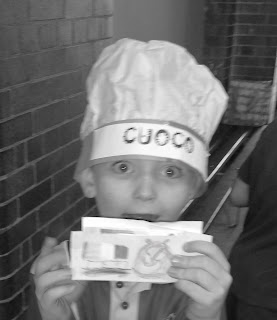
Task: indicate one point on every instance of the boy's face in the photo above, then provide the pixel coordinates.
(153, 190)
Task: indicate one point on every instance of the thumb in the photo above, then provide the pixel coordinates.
(47, 246)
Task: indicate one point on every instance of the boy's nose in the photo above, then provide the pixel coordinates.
(145, 188)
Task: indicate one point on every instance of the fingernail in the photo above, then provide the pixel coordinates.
(176, 259)
(185, 246)
(172, 272)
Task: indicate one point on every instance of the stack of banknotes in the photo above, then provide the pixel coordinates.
(129, 250)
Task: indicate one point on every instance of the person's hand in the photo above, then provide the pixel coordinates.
(55, 291)
(204, 278)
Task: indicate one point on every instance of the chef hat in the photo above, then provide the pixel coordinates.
(150, 99)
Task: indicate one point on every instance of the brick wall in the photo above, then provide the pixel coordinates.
(46, 50)
(218, 37)
(240, 39)
(255, 40)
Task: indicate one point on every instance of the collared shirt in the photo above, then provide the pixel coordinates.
(160, 302)
(125, 298)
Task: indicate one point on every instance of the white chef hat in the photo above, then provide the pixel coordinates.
(150, 99)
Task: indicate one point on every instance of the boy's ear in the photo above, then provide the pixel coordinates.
(86, 181)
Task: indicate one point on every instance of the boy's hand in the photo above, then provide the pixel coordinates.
(55, 290)
(204, 278)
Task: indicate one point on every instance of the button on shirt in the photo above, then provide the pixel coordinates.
(124, 297)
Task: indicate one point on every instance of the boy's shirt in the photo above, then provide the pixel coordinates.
(147, 301)
(125, 298)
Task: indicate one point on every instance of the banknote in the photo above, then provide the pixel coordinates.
(129, 250)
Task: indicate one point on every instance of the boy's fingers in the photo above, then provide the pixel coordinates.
(209, 249)
(51, 279)
(48, 245)
(55, 260)
(197, 276)
(205, 263)
(198, 293)
(52, 295)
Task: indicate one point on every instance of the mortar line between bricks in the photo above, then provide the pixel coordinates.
(34, 162)
(36, 208)
(16, 294)
(60, 214)
(253, 67)
(30, 188)
(13, 116)
(44, 78)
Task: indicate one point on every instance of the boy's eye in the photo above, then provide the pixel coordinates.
(122, 167)
(172, 172)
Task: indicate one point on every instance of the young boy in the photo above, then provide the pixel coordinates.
(151, 113)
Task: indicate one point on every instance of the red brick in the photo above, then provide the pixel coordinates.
(256, 61)
(72, 215)
(251, 8)
(52, 208)
(16, 183)
(11, 308)
(35, 148)
(105, 25)
(80, 31)
(20, 69)
(257, 73)
(9, 39)
(251, 19)
(13, 71)
(7, 160)
(103, 7)
(29, 38)
(9, 213)
(13, 11)
(76, 105)
(74, 193)
(78, 9)
(41, 92)
(13, 237)
(35, 197)
(63, 178)
(93, 28)
(10, 286)
(48, 35)
(62, 135)
(84, 55)
(36, 241)
(46, 9)
(10, 262)
(49, 116)
(15, 130)
(25, 251)
(64, 32)
(100, 45)
(11, 159)
(56, 228)
(57, 160)
(5, 104)
(250, 40)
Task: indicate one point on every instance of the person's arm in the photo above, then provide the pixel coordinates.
(240, 193)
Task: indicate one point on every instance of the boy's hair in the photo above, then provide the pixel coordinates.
(150, 99)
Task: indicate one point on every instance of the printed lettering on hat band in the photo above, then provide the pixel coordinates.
(149, 139)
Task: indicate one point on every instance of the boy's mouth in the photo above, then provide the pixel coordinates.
(141, 216)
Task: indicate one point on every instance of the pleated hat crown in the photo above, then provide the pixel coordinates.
(147, 97)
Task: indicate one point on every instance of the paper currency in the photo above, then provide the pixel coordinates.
(129, 250)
